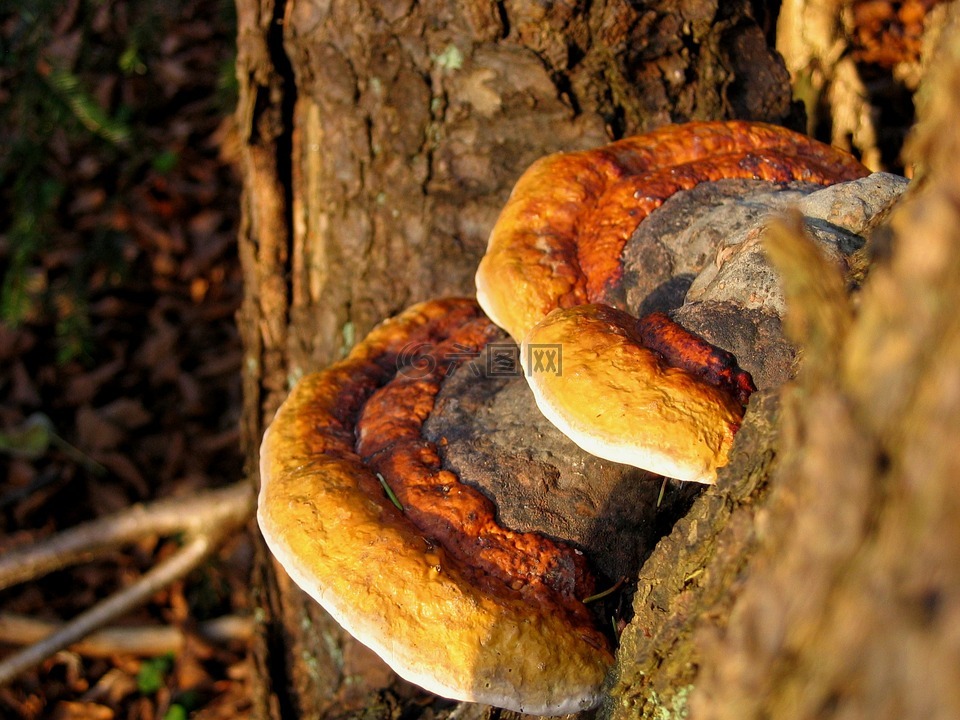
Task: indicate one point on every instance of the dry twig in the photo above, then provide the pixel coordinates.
(140, 640)
(206, 519)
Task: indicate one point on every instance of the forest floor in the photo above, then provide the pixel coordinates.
(119, 357)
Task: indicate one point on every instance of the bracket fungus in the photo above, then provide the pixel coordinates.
(555, 250)
(366, 513)
(449, 599)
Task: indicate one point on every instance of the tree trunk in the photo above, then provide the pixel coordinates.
(380, 141)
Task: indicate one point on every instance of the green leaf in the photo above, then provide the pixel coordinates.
(389, 491)
(176, 712)
(30, 440)
(165, 161)
(130, 62)
(153, 674)
(85, 108)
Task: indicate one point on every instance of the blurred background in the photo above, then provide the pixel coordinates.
(119, 358)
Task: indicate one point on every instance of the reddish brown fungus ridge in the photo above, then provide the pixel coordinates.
(642, 184)
(688, 351)
(450, 513)
(606, 228)
(417, 597)
(622, 183)
(563, 230)
(376, 401)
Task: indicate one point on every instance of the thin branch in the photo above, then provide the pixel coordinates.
(141, 640)
(207, 520)
(104, 612)
(193, 514)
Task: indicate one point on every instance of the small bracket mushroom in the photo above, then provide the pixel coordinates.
(450, 600)
(555, 249)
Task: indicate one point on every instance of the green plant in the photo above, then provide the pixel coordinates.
(153, 674)
(47, 104)
(90, 82)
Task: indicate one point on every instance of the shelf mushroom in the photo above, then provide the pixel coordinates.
(423, 575)
(555, 251)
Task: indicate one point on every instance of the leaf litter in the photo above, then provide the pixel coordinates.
(120, 380)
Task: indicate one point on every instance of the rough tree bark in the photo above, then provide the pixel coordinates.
(380, 141)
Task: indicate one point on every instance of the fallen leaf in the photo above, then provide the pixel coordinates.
(81, 711)
(94, 432)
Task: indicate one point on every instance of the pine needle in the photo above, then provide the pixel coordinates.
(603, 593)
(85, 108)
(389, 492)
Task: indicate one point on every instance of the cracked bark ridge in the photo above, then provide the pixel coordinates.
(692, 569)
(851, 603)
